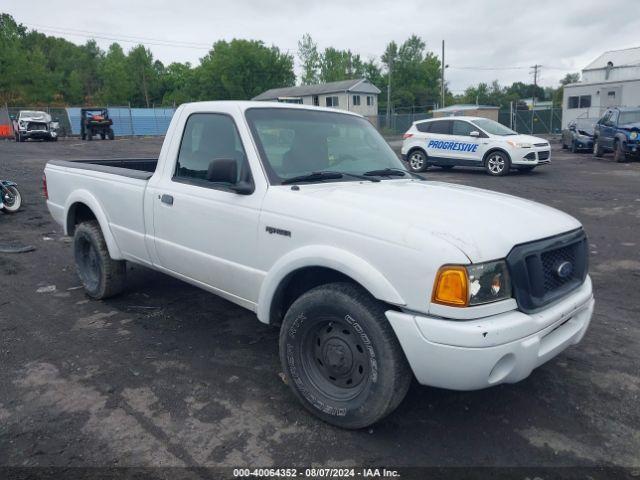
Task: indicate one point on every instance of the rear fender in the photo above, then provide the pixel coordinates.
(85, 197)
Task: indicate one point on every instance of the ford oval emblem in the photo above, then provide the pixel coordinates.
(564, 270)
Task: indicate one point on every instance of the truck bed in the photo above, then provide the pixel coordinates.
(140, 168)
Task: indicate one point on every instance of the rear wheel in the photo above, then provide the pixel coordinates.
(341, 357)
(418, 161)
(11, 199)
(110, 134)
(101, 276)
(497, 164)
(103, 135)
(597, 148)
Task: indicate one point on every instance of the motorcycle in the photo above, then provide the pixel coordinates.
(10, 198)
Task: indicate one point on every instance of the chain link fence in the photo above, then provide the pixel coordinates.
(546, 121)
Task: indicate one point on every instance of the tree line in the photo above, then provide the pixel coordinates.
(37, 69)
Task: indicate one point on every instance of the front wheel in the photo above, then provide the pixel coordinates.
(418, 161)
(497, 164)
(101, 276)
(597, 148)
(619, 154)
(11, 199)
(341, 357)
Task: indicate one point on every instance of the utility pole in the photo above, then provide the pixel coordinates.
(389, 94)
(535, 68)
(443, 66)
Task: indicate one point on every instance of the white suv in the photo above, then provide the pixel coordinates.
(472, 142)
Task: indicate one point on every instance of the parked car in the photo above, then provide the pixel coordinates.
(95, 121)
(618, 131)
(306, 216)
(579, 135)
(36, 125)
(472, 142)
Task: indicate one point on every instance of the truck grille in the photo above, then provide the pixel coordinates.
(545, 270)
(544, 155)
(36, 126)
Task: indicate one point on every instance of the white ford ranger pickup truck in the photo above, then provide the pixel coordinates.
(305, 216)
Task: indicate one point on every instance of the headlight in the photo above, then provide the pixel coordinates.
(633, 135)
(519, 144)
(468, 285)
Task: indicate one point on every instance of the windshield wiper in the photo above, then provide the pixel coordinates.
(325, 175)
(392, 172)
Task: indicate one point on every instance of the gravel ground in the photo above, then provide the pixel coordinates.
(168, 375)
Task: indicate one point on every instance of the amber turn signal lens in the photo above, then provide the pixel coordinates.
(451, 286)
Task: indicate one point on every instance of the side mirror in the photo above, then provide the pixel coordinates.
(223, 170)
(475, 133)
(12, 117)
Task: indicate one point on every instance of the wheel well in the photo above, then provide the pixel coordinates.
(299, 282)
(489, 152)
(78, 213)
(413, 149)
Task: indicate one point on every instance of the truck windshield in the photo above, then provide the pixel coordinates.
(493, 128)
(296, 142)
(629, 117)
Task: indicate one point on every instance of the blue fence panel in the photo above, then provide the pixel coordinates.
(130, 121)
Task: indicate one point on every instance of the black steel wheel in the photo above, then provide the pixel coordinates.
(101, 276)
(341, 357)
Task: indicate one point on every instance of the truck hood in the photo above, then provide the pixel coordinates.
(37, 117)
(630, 126)
(484, 225)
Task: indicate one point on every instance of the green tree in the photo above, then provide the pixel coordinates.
(13, 64)
(310, 59)
(242, 69)
(117, 87)
(144, 74)
(178, 85)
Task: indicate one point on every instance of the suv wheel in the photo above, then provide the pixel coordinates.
(597, 148)
(497, 164)
(341, 357)
(418, 161)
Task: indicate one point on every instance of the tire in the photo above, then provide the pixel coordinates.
(497, 164)
(597, 148)
(417, 161)
(21, 138)
(101, 276)
(89, 136)
(110, 134)
(618, 153)
(526, 169)
(341, 357)
(13, 202)
(103, 136)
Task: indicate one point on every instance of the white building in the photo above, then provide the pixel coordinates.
(611, 80)
(359, 96)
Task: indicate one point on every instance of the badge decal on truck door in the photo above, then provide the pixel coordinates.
(455, 146)
(278, 231)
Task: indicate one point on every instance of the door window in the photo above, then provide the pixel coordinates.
(208, 137)
(462, 128)
(613, 118)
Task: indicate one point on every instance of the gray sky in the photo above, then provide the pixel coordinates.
(561, 35)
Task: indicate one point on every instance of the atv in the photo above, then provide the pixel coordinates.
(95, 121)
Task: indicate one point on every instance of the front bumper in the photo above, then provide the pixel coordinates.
(475, 354)
(39, 134)
(531, 156)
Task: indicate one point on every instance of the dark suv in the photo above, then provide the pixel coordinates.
(618, 131)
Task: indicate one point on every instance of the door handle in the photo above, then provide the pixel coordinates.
(168, 199)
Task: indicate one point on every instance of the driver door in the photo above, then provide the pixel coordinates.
(203, 231)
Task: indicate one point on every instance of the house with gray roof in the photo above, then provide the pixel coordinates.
(359, 95)
(611, 80)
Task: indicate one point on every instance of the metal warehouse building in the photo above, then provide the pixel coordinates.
(359, 95)
(612, 79)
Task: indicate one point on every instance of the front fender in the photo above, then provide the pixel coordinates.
(84, 196)
(326, 256)
(8, 183)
